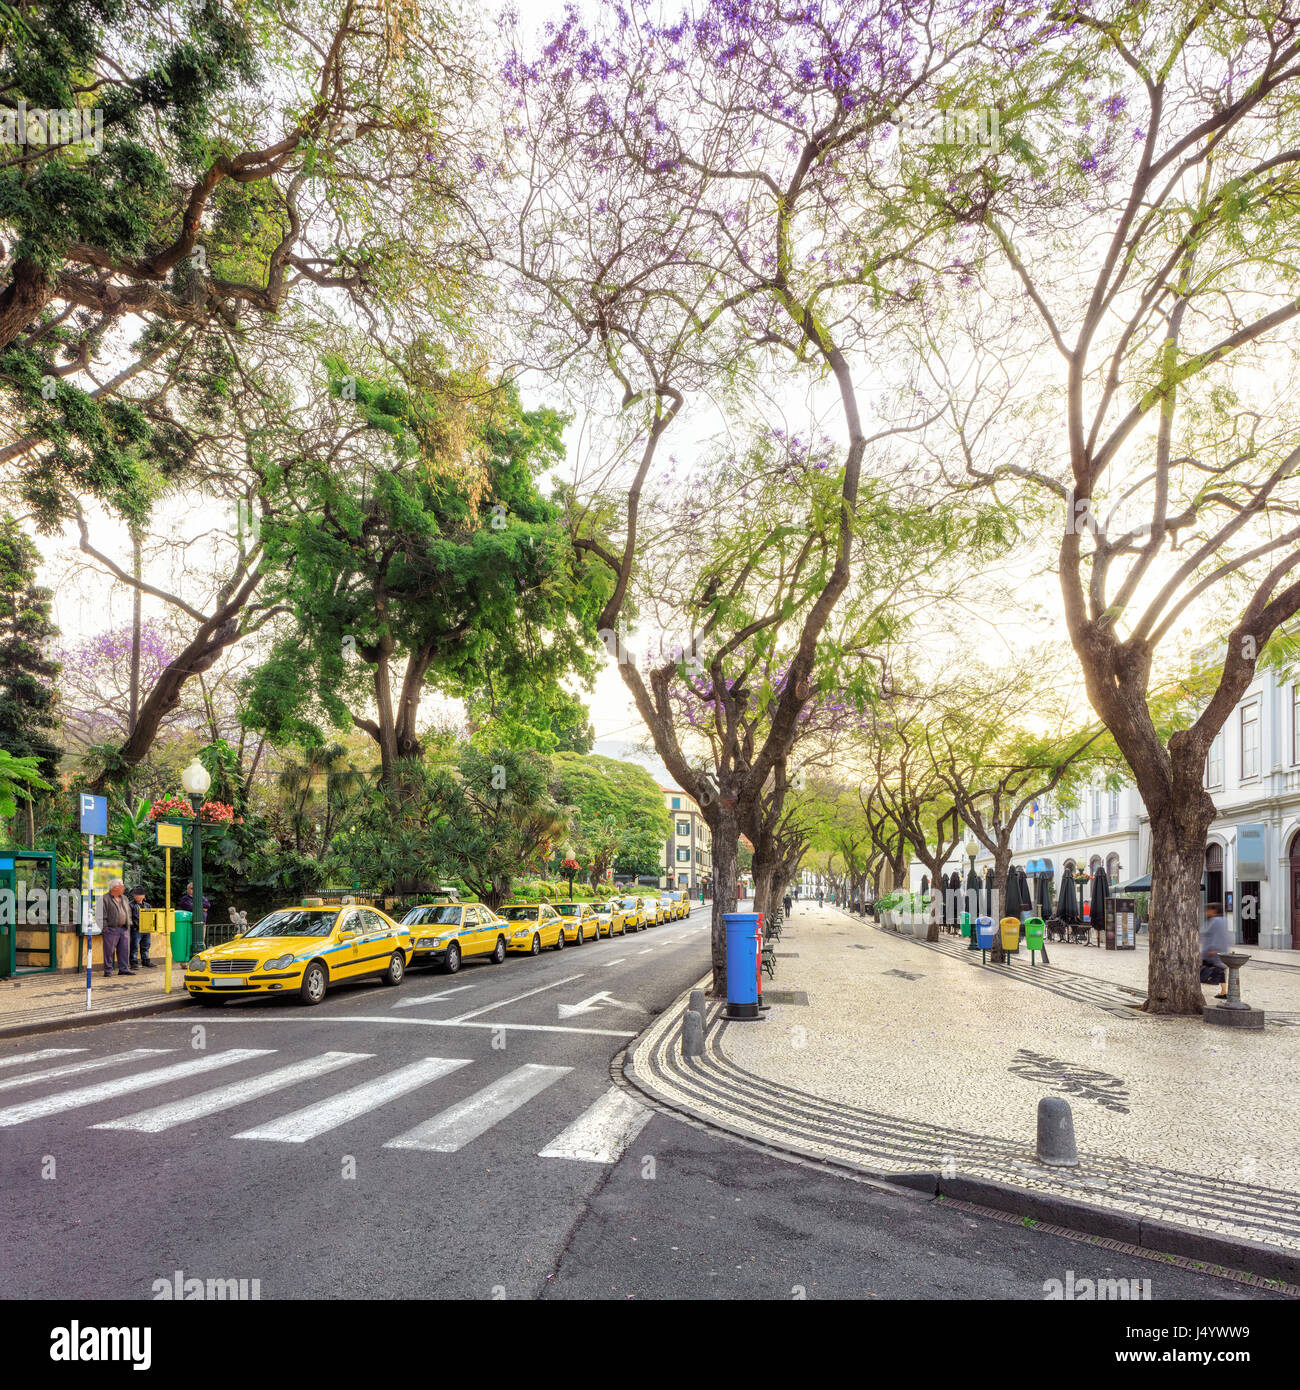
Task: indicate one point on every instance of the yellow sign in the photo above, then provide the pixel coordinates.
(170, 835)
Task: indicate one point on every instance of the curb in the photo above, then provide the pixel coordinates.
(1145, 1233)
(116, 1015)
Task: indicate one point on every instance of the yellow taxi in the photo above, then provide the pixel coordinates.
(683, 901)
(533, 926)
(609, 918)
(445, 934)
(670, 907)
(304, 950)
(634, 914)
(579, 922)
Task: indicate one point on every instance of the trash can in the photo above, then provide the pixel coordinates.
(1034, 927)
(984, 933)
(1010, 927)
(742, 977)
(965, 924)
(182, 936)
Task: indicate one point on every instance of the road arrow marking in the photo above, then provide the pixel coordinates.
(603, 1000)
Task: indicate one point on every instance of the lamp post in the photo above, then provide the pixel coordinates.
(972, 849)
(196, 781)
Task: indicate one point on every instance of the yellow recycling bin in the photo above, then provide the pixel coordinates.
(1010, 928)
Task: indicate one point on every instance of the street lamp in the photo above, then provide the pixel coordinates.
(196, 781)
(972, 849)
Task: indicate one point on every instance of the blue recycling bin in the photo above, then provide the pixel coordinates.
(742, 964)
(984, 933)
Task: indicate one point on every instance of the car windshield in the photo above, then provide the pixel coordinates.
(568, 909)
(525, 913)
(441, 915)
(294, 923)
(629, 902)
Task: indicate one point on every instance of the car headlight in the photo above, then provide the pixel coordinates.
(524, 931)
(198, 963)
(425, 941)
(278, 963)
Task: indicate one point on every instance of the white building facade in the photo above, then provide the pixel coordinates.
(1252, 853)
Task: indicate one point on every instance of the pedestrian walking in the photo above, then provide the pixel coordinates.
(140, 941)
(821, 898)
(1215, 939)
(789, 903)
(117, 929)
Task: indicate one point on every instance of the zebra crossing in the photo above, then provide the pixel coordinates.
(599, 1134)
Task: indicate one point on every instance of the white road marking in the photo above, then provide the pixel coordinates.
(315, 1120)
(459, 1124)
(501, 1003)
(602, 1132)
(40, 1056)
(414, 1023)
(163, 1117)
(618, 960)
(603, 1000)
(124, 1085)
(646, 952)
(76, 1068)
(430, 998)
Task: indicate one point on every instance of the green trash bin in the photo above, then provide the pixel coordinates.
(965, 925)
(1034, 933)
(182, 937)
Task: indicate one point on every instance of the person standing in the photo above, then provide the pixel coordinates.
(186, 903)
(789, 903)
(117, 929)
(140, 942)
(821, 898)
(1215, 939)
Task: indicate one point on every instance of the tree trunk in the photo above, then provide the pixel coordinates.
(1001, 864)
(1178, 831)
(137, 570)
(726, 841)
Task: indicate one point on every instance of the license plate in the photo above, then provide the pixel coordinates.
(226, 984)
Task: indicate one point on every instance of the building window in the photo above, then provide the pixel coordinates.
(1250, 741)
(1214, 763)
(1096, 811)
(1113, 811)
(677, 803)
(684, 828)
(684, 857)
(1295, 723)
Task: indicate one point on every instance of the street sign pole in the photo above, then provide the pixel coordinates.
(167, 918)
(88, 916)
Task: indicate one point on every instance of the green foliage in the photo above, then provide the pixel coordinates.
(28, 715)
(18, 777)
(620, 820)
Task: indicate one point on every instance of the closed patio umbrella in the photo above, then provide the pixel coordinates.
(1026, 897)
(1100, 893)
(988, 890)
(1011, 896)
(1067, 907)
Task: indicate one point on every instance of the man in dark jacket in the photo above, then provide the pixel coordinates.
(139, 942)
(116, 925)
(186, 903)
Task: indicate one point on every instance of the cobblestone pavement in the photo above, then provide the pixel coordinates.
(911, 1056)
(45, 998)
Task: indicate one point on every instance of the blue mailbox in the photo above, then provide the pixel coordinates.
(742, 964)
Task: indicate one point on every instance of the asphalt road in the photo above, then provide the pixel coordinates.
(458, 1137)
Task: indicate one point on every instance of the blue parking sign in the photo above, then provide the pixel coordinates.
(94, 815)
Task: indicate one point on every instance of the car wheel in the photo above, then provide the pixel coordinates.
(537, 944)
(396, 971)
(315, 981)
(452, 964)
(559, 940)
(499, 954)
(209, 1001)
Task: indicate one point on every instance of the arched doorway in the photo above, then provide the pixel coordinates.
(1214, 873)
(1295, 892)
